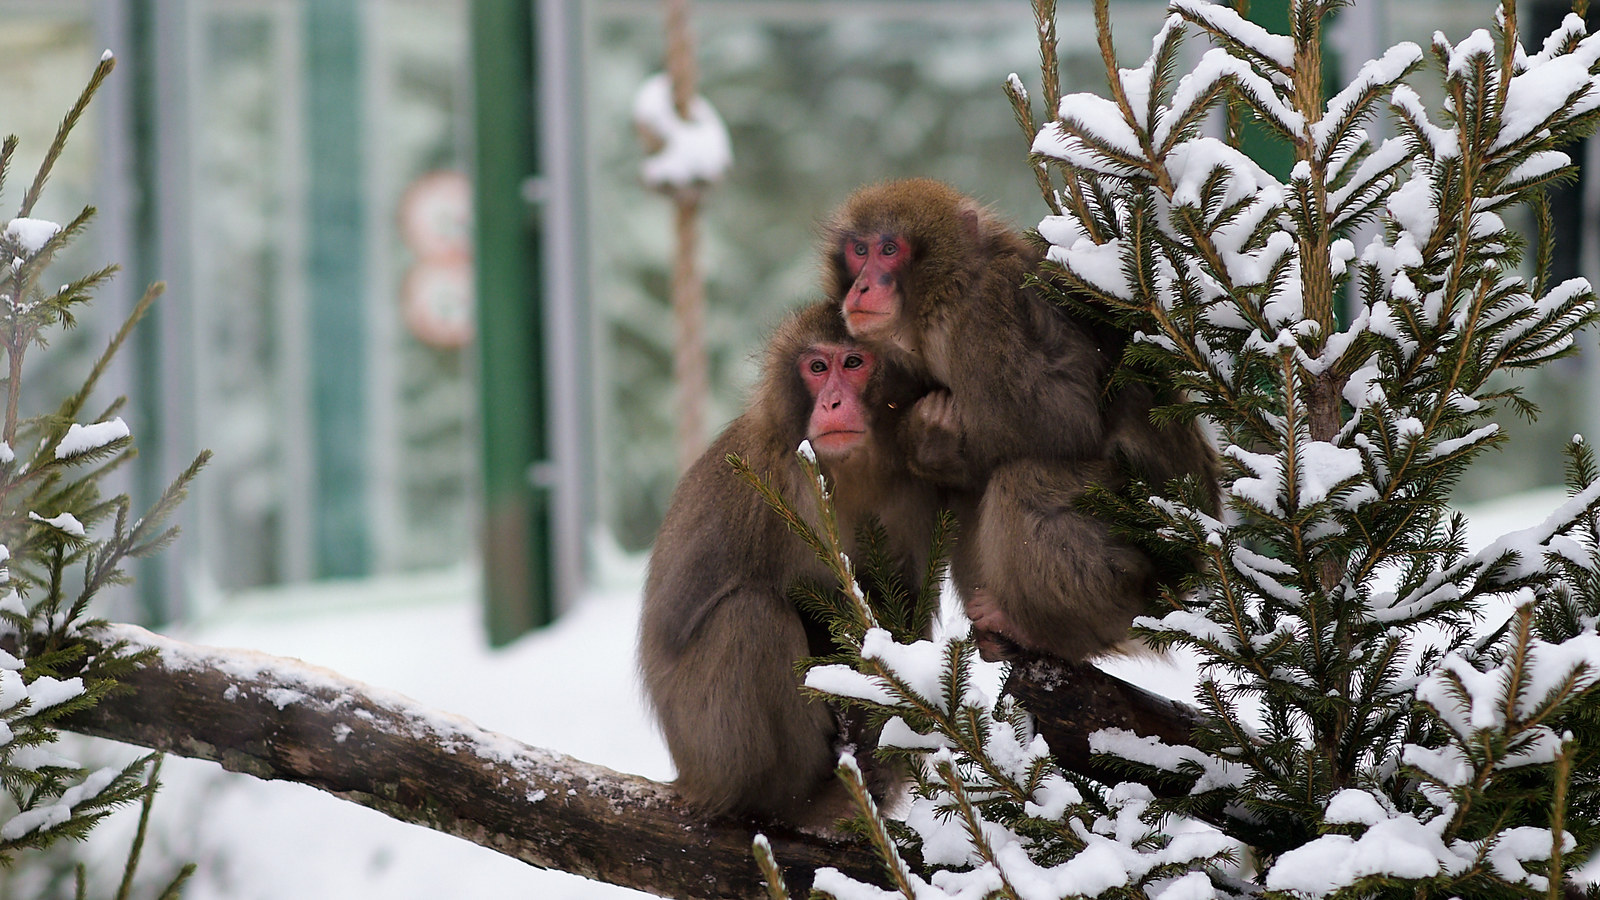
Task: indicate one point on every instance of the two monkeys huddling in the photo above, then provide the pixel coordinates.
(929, 377)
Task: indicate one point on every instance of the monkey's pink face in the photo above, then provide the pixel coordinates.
(836, 376)
(877, 264)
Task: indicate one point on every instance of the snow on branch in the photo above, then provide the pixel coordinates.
(283, 719)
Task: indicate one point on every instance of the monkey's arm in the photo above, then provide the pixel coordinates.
(1024, 391)
(934, 440)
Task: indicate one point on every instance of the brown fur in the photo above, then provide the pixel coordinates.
(1031, 376)
(1024, 421)
(719, 638)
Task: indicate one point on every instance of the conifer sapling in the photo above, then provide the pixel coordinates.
(1383, 712)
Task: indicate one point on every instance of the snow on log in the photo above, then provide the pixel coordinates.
(278, 718)
(283, 719)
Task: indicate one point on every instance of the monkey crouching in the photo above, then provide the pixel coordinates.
(719, 638)
(1020, 420)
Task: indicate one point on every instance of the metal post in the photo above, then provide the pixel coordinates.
(336, 269)
(517, 507)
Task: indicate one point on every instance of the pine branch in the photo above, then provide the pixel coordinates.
(101, 71)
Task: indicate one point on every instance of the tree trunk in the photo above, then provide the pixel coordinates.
(278, 718)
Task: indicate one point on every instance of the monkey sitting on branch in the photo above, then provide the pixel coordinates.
(719, 637)
(1021, 421)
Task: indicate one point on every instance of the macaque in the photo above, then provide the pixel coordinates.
(719, 637)
(1021, 418)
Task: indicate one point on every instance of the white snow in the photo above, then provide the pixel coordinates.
(1484, 694)
(1374, 73)
(1275, 48)
(12, 688)
(1542, 91)
(1092, 114)
(1193, 886)
(1152, 752)
(1015, 82)
(1352, 807)
(1097, 265)
(30, 235)
(1266, 482)
(46, 692)
(65, 522)
(570, 688)
(693, 151)
(1413, 209)
(1444, 141)
(1323, 468)
(944, 839)
(84, 438)
(844, 681)
(1401, 846)
(52, 814)
(1193, 162)
(1519, 845)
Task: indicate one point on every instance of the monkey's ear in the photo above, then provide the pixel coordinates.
(971, 217)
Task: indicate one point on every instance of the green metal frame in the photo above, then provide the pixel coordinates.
(519, 580)
(336, 276)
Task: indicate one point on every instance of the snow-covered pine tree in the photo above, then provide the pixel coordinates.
(1384, 714)
(51, 562)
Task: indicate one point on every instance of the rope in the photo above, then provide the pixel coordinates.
(690, 369)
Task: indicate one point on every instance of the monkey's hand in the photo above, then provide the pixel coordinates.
(934, 441)
(992, 630)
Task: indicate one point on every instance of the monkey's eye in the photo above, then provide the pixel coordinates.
(854, 361)
(890, 248)
(859, 248)
(819, 366)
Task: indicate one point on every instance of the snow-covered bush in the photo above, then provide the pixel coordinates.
(1382, 713)
(61, 541)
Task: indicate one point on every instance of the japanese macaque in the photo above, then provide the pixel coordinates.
(719, 637)
(1020, 421)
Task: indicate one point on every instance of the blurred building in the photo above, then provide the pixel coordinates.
(383, 395)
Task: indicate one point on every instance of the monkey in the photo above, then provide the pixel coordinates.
(718, 637)
(1021, 419)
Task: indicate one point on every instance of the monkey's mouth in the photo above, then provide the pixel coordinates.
(836, 442)
(864, 315)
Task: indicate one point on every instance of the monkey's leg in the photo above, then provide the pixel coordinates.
(1048, 576)
(743, 737)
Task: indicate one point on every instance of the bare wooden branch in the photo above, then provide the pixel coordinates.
(278, 718)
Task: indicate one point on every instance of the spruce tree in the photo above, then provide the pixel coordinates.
(62, 541)
(1382, 712)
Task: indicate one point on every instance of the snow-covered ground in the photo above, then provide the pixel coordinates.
(570, 688)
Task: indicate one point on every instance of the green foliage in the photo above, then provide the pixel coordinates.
(1383, 713)
(61, 543)
(981, 780)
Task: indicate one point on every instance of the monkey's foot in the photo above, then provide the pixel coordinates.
(992, 630)
(994, 647)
